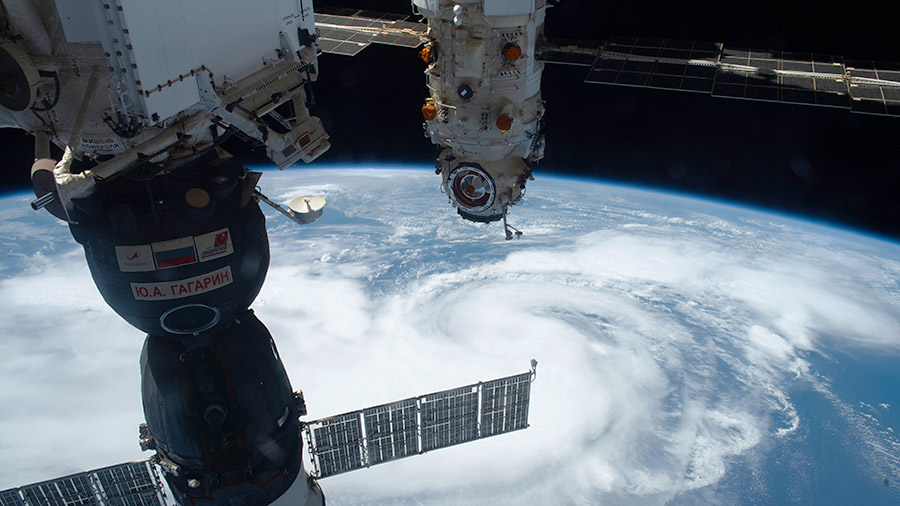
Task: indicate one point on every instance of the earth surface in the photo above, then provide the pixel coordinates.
(689, 352)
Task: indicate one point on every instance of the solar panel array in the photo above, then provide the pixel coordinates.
(413, 426)
(449, 418)
(775, 76)
(349, 31)
(73, 490)
(129, 484)
(504, 405)
(391, 431)
(11, 497)
(340, 443)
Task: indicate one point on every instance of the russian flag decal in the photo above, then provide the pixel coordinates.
(174, 253)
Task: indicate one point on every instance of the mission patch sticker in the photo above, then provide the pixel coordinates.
(213, 245)
(182, 288)
(135, 258)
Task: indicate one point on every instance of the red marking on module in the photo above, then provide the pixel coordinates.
(221, 239)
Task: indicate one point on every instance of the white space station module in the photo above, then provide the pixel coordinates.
(485, 106)
(483, 79)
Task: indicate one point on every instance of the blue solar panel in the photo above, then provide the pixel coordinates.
(129, 484)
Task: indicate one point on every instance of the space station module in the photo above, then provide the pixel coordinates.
(485, 106)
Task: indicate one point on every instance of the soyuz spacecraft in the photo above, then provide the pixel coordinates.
(139, 96)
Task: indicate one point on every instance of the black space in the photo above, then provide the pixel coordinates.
(828, 164)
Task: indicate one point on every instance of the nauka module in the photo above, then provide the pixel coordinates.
(483, 79)
(485, 105)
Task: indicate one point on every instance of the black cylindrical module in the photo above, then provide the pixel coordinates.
(223, 417)
(176, 254)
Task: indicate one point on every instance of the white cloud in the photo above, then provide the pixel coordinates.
(666, 340)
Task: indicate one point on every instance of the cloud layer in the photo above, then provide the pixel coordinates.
(670, 335)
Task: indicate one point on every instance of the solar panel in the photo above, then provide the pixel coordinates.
(129, 484)
(664, 74)
(339, 444)
(875, 87)
(449, 418)
(504, 404)
(394, 39)
(340, 47)
(391, 431)
(775, 76)
(656, 63)
(562, 57)
(770, 76)
(569, 52)
(348, 31)
(400, 429)
(11, 497)
(74, 490)
(663, 48)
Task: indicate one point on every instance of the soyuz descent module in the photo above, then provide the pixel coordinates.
(143, 94)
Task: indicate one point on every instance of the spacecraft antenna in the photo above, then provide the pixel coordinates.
(304, 210)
